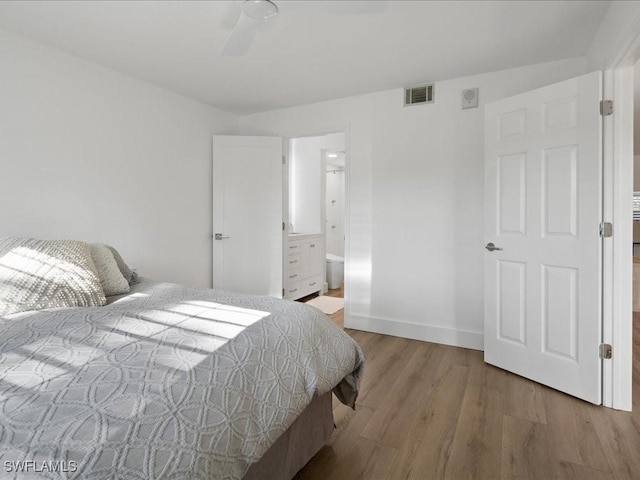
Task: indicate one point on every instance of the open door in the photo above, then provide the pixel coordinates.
(247, 214)
(543, 192)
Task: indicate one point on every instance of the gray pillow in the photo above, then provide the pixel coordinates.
(37, 274)
(112, 281)
(130, 275)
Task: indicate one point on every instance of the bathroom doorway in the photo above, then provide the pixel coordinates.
(334, 161)
(315, 208)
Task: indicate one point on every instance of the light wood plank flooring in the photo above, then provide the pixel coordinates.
(429, 411)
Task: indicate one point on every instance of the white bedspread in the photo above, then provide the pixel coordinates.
(167, 382)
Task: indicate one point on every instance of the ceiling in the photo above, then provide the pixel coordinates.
(301, 59)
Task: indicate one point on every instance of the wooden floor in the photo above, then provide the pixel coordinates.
(429, 411)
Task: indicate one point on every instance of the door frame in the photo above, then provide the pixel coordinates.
(346, 129)
(617, 315)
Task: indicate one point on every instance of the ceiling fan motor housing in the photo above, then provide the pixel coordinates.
(259, 9)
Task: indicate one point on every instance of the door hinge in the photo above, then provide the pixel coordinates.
(606, 107)
(284, 159)
(606, 229)
(283, 293)
(605, 350)
(283, 226)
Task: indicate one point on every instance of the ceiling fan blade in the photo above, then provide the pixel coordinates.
(241, 37)
(330, 7)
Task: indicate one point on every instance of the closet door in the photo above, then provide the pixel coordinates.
(247, 214)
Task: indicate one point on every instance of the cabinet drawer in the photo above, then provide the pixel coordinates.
(293, 291)
(293, 274)
(294, 247)
(303, 287)
(293, 261)
(312, 284)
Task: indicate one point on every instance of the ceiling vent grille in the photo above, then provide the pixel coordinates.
(419, 94)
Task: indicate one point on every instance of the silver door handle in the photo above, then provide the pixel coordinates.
(491, 247)
(220, 236)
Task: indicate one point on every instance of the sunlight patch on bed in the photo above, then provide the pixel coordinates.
(167, 317)
(32, 374)
(60, 353)
(212, 327)
(209, 318)
(138, 326)
(229, 313)
(204, 327)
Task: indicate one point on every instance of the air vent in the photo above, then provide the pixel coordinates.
(419, 94)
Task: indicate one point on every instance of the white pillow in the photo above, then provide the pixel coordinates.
(130, 275)
(111, 279)
(37, 274)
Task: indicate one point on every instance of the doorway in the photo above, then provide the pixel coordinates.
(316, 210)
(334, 161)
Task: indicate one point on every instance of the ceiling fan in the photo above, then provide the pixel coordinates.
(254, 12)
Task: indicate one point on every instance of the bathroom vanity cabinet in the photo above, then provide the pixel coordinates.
(304, 265)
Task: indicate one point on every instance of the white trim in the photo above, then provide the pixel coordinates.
(617, 280)
(416, 331)
(623, 253)
(346, 220)
(607, 243)
(285, 210)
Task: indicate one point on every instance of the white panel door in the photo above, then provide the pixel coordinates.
(247, 214)
(542, 210)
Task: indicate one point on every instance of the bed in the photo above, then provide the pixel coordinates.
(169, 381)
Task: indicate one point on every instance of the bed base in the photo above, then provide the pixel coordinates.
(296, 446)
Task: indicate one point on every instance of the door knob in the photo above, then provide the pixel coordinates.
(491, 247)
(220, 236)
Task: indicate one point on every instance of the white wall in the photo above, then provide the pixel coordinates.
(415, 227)
(617, 30)
(88, 153)
(636, 113)
(306, 197)
(305, 169)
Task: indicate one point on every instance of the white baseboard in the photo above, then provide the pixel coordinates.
(416, 331)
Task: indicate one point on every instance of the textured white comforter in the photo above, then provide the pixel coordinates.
(167, 382)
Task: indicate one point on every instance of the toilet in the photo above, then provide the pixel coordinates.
(335, 271)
